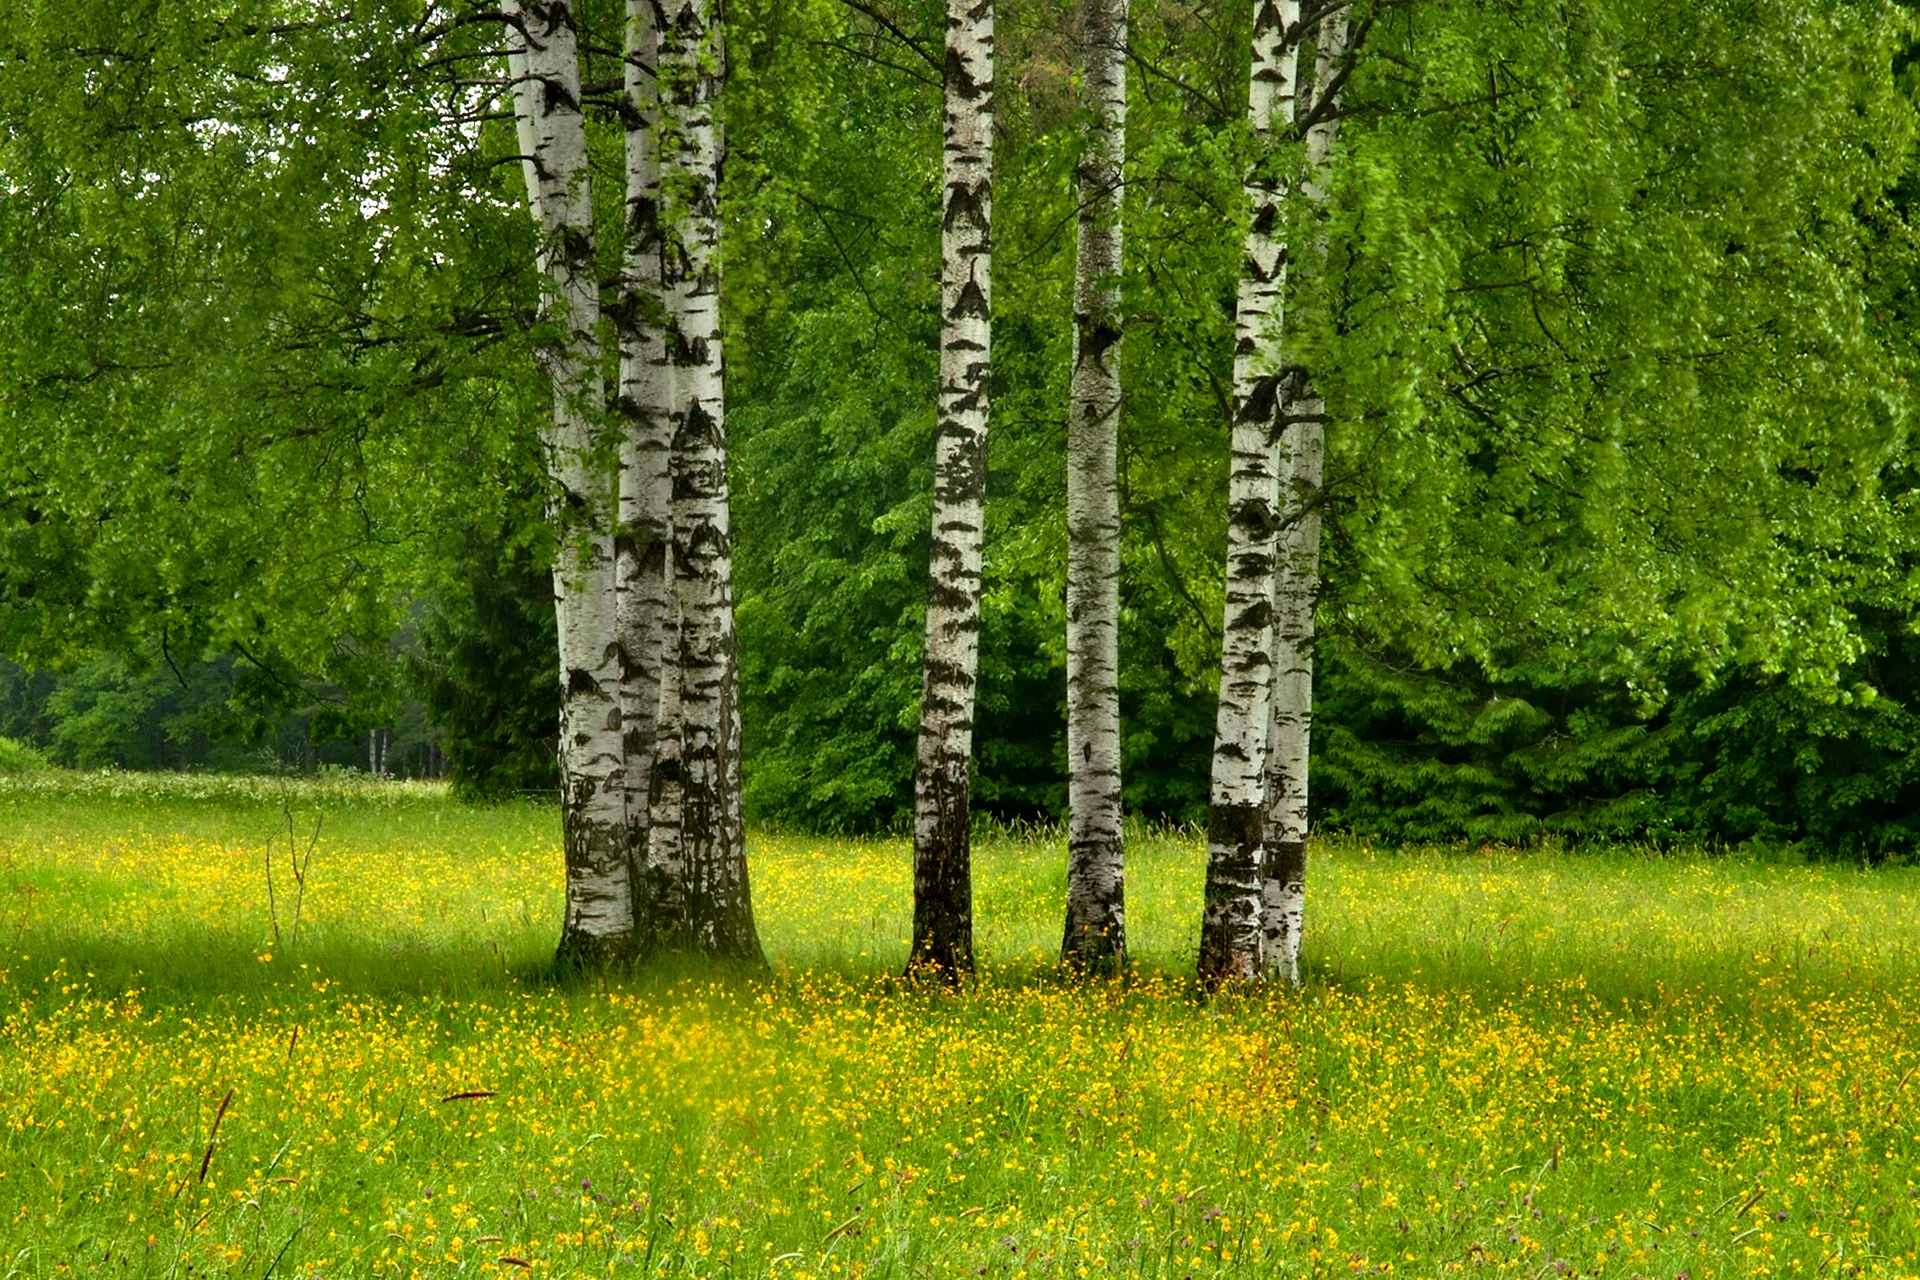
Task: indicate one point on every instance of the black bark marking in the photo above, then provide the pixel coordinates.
(1096, 337)
(959, 82)
(683, 353)
(946, 595)
(1251, 269)
(970, 305)
(1286, 861)
(969, 205)
(1262, 402)
(1257, 516)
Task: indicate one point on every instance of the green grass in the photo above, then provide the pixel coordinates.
(19, 758)
(1504, 1063)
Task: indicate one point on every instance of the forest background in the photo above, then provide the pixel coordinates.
(271, 484)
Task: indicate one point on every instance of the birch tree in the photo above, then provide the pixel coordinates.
(643, 412)
(1296, 590)
(1296, 587)
(1230, 922)
(544, 63)
(1096, 869)
(714, 908)
(942, 856)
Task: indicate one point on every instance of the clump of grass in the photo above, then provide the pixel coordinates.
(17, 759)
(1521, 1064)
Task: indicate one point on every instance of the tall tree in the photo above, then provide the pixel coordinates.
(1296, 583)
(1096, 929)
(544, 61)
(716, 905)
(1230, 923)
(942, 856)
(643, 411)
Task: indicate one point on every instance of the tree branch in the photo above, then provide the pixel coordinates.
(874, 12)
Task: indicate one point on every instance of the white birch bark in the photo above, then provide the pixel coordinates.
(643, 412)
(1296, 592)
(525, 133)
(546, 72)
(942, 875)
(1230, 923)
(1297, 582)
(1096, 868)
(665, 882)
(718, 914)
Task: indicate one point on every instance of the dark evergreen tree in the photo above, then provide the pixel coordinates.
(486, 668)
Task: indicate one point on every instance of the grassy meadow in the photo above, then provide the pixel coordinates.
(1504, 1064)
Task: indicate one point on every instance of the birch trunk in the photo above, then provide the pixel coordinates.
(1296, 591)
(665, 896)
(1230, 923)
(546, 74)
(643, 412)
(718, 910)
(942, 856)
(1283, 886)
(1096, 929)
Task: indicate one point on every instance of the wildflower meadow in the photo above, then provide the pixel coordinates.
(252, 1028)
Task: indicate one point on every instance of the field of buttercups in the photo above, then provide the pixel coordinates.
(1504, 1063)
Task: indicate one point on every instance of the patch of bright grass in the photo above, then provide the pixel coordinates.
(19, 758)
(1524, 1064)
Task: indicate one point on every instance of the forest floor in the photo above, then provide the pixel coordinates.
(1503, 1063)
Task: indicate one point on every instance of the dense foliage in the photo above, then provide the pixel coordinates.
(1615, 329)
(485, 671)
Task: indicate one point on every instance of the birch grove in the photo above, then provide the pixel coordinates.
(1297, 581)
(544, 64)
(280, 293)
(1096, 869)
(650, 754)
(942, 856)
(1230, 920)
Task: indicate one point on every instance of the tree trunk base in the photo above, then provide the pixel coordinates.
(586, 953)
(1230, 923)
